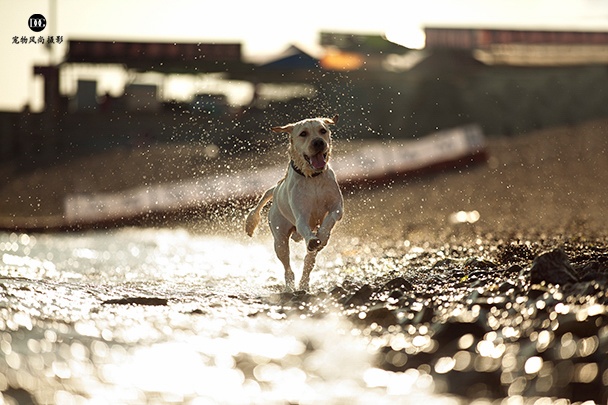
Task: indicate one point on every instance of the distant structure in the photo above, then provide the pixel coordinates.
(523, 47)
(158, 56)
(506, 80)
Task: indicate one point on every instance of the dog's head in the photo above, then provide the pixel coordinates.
(309, 143)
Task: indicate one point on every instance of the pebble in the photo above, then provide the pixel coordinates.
(553, 268)
(360, 297)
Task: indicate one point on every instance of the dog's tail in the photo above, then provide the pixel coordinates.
(253, 219)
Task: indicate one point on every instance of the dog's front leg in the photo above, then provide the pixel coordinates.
(328, 224)
(309, 264)
(303, 228)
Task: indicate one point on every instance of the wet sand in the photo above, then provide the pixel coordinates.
(550, 182)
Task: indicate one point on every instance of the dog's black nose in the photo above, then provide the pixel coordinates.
(318, 144)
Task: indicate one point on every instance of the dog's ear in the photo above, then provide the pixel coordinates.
(285, 128)
(330, 121)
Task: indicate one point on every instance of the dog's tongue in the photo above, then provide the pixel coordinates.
(318, 161)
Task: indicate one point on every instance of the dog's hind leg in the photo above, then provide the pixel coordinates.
(309, 264)
(253, 219)
(281, 248)
(281, 230)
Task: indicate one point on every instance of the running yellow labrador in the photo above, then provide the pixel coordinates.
(307, 201)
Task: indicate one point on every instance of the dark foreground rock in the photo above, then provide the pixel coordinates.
(553, 268)
(137, 301)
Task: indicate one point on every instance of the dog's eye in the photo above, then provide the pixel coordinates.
(323, 131)
(303, 133)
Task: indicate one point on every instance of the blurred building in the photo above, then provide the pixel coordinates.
(524, 47)
(530, 79)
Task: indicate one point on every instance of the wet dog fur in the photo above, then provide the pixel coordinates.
(307, 202)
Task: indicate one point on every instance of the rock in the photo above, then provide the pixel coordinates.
(360, 297)
(479, 264)
(451, 331)
(381, 316)
(458, 274)
(398, 283)
(18, 396)
(516, 268)
(396, 294)
(583, 288)
(536, 292)
(446, 263)
(301, 296)
(321, 296)
(477, 275)
(507, 286)
(586, 327)
(553, 268)
(594, 271)
(472, 384)
(137, 301)
(337, 292)
(425, 315)
(281, 298)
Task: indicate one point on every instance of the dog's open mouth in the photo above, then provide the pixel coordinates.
(318, 161)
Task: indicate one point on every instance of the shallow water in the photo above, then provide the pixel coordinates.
(169, 316)
(425, 293)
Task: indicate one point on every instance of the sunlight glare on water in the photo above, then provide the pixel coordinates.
(169, 316)
(144, 255)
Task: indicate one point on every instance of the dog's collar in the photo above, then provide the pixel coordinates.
(295, 169)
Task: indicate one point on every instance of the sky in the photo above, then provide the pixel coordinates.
(263, 27)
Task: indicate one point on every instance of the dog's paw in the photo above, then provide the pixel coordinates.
(323, 238)
(313, 245)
